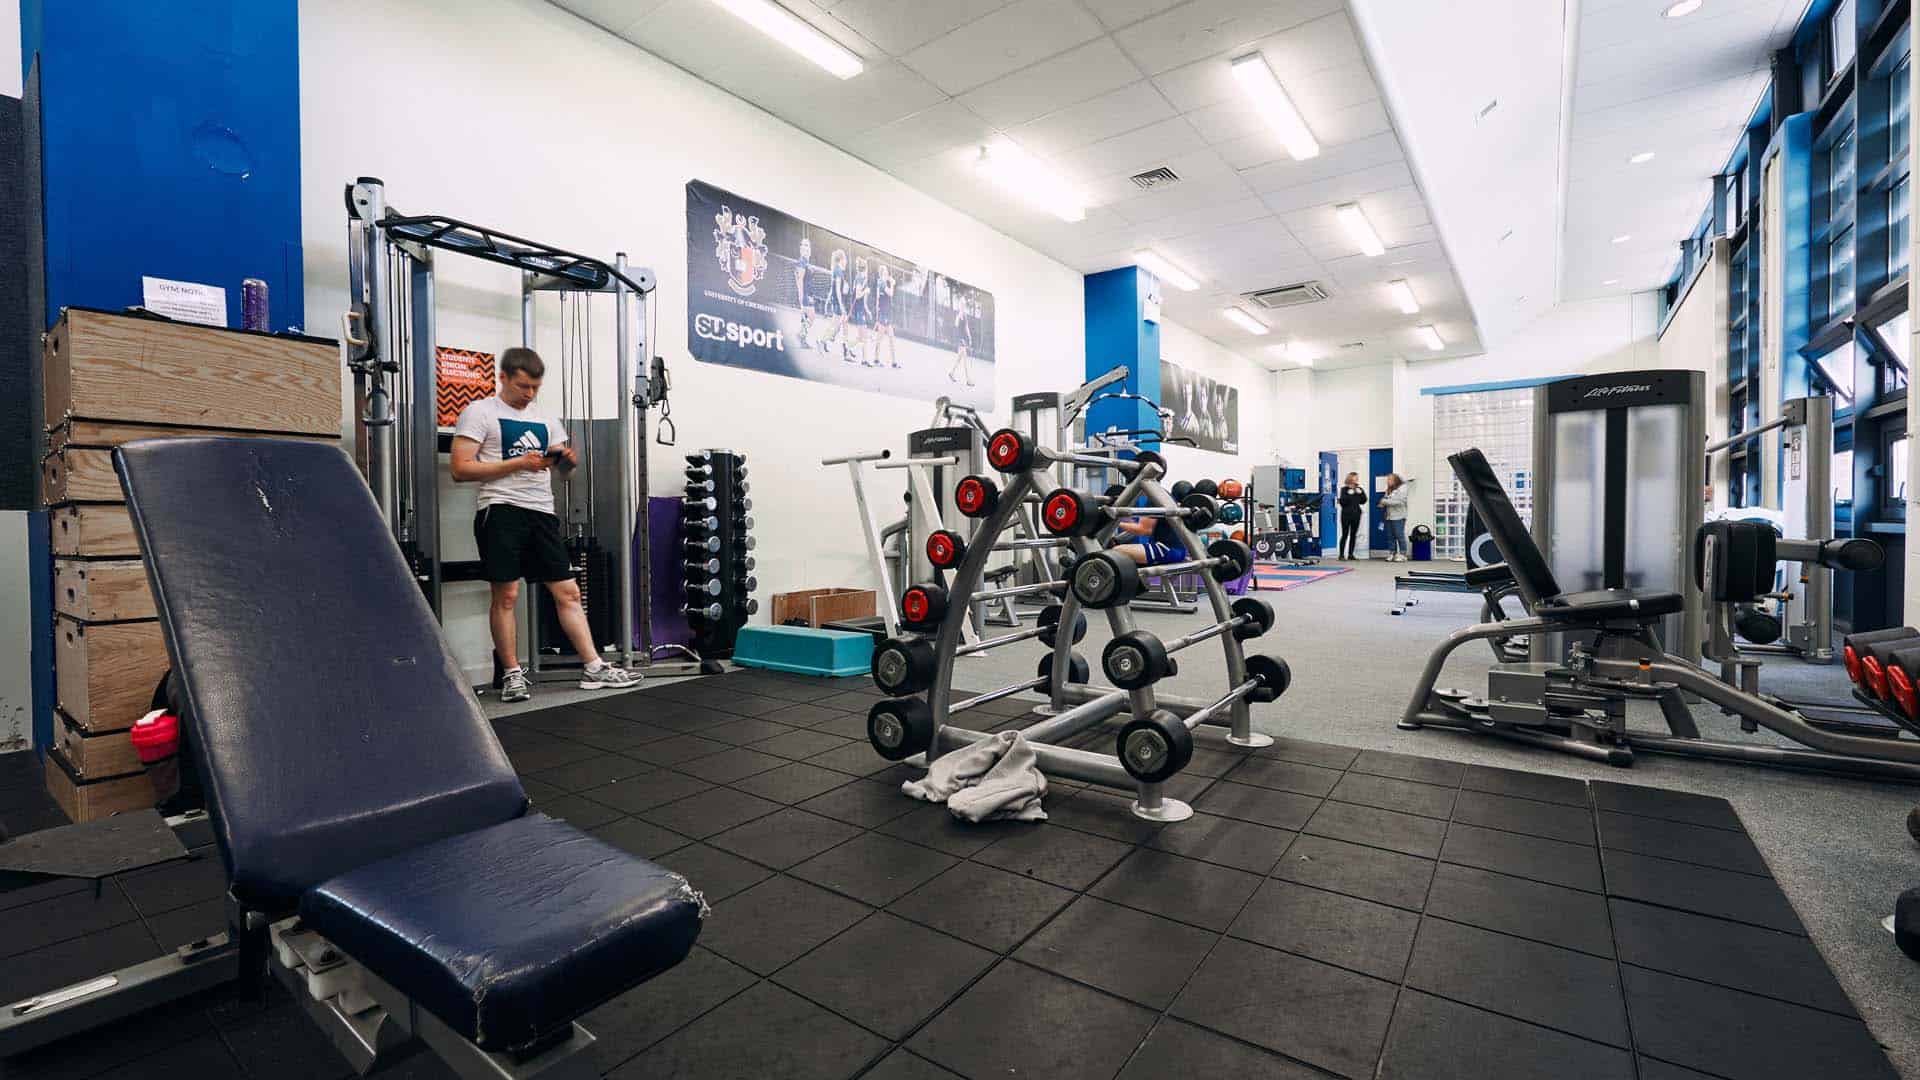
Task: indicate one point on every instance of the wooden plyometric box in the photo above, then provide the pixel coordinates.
(96, 531)
(95, 756)
(102, 590)
(105, 366)
(91, 800)
(107, 434)
(79, 475)
(817, 607)
(105, 673)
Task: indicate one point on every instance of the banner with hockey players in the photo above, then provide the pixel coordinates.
(1205, 411)
(772, 293)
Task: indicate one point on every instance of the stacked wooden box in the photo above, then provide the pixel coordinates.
(112, 378)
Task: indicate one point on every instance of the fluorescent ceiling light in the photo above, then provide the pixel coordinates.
(1258, 80)
(1611, 281)
(1021, 174)
(1680, 9)
(1641, 158)
(1154, 264)
(1360, 229)
(1623, 238)
(790, 30)
(1402, 294)
(1431, 336)
(1243, 320)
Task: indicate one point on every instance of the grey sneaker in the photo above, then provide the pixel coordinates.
(514, 687)
(608, 677)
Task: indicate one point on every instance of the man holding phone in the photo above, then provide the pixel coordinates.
(506, 446)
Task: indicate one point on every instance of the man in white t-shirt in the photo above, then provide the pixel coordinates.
(506, 446)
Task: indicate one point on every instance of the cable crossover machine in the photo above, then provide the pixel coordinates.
(1154, 740)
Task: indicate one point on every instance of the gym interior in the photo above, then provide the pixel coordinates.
(910, 539)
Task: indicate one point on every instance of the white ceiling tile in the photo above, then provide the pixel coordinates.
(836, 109)
(1181, 198)
(1144, 148)
(1357, 122)
(1368, 153)
(1070, 78)
(1115, 14)
(1007, 40)
(1203, 28)
(612, 15)
(1115, 113)
(900, 26)
(1345, 187)
(944, 128)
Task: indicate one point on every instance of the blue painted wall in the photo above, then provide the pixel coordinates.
(171, 147)
(1118, 335)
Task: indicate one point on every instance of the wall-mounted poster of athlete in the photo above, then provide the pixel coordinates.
(772, 293)
(1205, 411)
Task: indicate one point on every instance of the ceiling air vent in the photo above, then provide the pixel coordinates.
(1286, 296)
(1155, 178)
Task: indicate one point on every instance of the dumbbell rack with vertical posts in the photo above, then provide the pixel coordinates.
(1155, 740)
(717, 542)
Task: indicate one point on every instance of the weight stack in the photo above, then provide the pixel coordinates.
(716, 543)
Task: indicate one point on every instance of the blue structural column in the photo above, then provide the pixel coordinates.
(168, 145)
(1118, 334)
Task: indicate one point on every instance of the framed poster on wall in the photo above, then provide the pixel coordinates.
(462, 377)
(769, 292)
(1206, 411)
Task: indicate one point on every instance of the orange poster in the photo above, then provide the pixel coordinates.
(464, 377)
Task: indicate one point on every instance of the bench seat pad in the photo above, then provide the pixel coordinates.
(1599, 604)
(510, 932)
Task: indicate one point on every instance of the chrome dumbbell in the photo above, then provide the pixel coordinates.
(711, 545)
(711, 566)
(711, 611)
(711, 588)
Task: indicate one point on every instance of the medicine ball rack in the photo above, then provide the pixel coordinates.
(1156, 740)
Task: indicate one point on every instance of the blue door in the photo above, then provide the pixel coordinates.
(1379, 464)
(1329, 512)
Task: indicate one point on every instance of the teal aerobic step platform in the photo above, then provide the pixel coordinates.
(804, 650)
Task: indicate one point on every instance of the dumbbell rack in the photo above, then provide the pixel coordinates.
(716, 551)
(1154, 741)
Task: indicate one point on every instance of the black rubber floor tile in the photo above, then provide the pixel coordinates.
(886, 974)
(1325, 755)
(904, 1065)
(984, 905)
(850, 727)
(1682, 806)
(1652, 1069)
(283, 1043)
(713, 811)
(175, 884)
(642, 838)
(784, 837)
(1057, 855)
(1730, 1033)
(1386, 877)
(1572, 865)
(579, 811)
(74, 959)
(1102, 813)
(1215, 763)
(656, 788)
(191, 923)
(796, 781)
(1436, 1039)
(933, 825)
(1262, 806)
(1180, 1049)
(1568, 824)
(1542, 984)
(854, 759)
(593, 772)
(626, 735)
(1191, 891)
(19, 890)
(1242, 845)
(1140, 957)
(857, 700)
(717, 874)
(1724, 894)
(1768, 962)
(804, 716)
(1408, 834)
(874, 869)
(203, 1058)
(1021, 1021)
(775, 922)
(1554, 914)
(862, 802)
(766, 1031)
(1355, 934)
(1702, 845)
(551, 754)
(1409, 767)
(1525, 785)
(1284, 775)
(1401, 796)
(736, 763)
(131, 1039)
(744, 732)
(1314, 1012)
(796, 744)
(799, 692)
(680, 748)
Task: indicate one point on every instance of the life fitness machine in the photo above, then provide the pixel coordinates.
(392, 351)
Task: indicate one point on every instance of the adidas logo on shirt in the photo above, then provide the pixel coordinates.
(525, 444)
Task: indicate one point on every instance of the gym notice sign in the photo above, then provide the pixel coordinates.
(769, 292)
(1205, 411)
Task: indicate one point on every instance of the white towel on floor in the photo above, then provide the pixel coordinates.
(990, 780)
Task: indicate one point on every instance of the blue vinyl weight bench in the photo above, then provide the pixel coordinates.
(382, 858)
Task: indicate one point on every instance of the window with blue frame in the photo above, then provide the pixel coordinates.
(1836, 248)
(1899, 141)
(1840, 42)
(1835, 370)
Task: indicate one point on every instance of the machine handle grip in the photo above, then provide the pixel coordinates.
(876, 455)
(1855, 553)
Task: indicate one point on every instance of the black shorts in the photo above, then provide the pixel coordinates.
(519, 543)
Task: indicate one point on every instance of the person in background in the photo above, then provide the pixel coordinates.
(1352, 498)
(1156, 542)
(1393, 507)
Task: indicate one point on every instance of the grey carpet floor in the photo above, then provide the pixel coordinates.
(1837, 846)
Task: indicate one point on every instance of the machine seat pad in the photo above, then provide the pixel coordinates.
(510, 932)
(1492, 574)
(1643, 605)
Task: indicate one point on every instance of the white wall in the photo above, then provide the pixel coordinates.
(1256, 384)
(529, 120)
(1696, 338)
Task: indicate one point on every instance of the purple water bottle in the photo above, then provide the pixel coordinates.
(253, 304)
